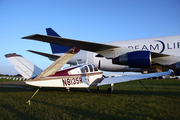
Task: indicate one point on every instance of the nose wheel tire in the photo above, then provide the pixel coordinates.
(109, 90)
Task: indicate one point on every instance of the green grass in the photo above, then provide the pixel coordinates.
(128, 101)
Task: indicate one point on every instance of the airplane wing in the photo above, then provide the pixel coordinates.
(50, 56)
(106, 81)
(84, 45)
(106, 50)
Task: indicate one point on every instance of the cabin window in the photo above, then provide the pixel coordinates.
(91, 68)
(84, 69)
(95, 69)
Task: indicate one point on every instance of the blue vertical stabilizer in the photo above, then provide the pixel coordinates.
(56, 48)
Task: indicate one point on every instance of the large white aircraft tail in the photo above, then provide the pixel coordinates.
(23, 66)
(54, 47)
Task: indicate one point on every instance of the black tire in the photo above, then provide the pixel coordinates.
(98, 88)
(109, 90)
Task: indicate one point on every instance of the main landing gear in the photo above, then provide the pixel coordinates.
(98, 88)
(110, 90)
(67, 89)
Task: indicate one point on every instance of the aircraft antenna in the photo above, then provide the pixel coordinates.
(87, 60)
(77, 62)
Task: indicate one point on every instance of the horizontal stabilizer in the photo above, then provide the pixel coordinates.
(133, 77)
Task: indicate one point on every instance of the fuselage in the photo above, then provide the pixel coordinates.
(81, 76)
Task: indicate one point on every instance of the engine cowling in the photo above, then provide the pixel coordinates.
(136, 59)
(175, 66)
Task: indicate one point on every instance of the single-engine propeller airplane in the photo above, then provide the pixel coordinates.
(78, 76)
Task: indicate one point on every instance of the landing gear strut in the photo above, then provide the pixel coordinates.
(98, 88)
(110, 90)
(67, 89)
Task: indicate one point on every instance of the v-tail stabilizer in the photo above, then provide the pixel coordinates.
(23, 66)
(61, 61)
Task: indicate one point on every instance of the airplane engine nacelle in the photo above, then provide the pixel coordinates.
(175, 66)
(136, 59)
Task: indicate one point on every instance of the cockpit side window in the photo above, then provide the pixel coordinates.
(91, 68)
(84, 69)
(95, 69)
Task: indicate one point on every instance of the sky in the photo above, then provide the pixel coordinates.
(88, 20)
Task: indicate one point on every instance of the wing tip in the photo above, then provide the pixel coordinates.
(29, 36)
(12, 55)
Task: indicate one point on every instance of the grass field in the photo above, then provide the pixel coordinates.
(129, 100)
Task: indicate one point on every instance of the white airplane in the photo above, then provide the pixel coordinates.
(140, 55)
(78, 76)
